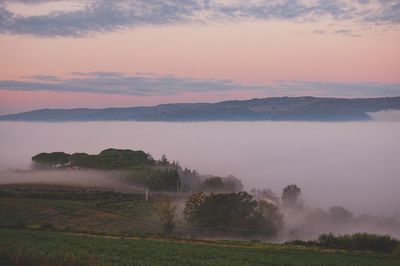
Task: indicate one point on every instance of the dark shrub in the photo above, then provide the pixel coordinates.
(359, 241)
(302, 243)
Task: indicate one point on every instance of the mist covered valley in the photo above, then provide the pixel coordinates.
(348, 172)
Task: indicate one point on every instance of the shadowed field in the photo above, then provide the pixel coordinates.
(76, 209)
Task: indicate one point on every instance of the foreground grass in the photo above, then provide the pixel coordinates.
(65, 249)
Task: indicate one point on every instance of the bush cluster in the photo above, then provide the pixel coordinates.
(359, 241)
(237, 213)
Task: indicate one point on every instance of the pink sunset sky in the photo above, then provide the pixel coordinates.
(96, 53)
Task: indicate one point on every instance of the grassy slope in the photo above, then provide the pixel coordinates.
(96, 216)
(135, 217)
(110, 251)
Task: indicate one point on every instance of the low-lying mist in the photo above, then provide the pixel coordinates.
(352, 164)
(300, 221)
(101, 180)
(386, 115)
(308, 223)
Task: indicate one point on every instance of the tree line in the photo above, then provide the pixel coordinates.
(109, 159)
(230, 213)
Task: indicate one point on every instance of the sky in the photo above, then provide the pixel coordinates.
(98, 53)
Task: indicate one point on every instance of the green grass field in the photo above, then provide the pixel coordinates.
(101, 250)
(96, 216)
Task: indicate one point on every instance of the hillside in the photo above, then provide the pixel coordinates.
(274, 109)
(60, 225)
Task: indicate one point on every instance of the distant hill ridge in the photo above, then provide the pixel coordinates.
(274, 109)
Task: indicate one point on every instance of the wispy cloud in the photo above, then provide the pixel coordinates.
(148, 84)
(119, 83)
(339, 89)
(104, 16)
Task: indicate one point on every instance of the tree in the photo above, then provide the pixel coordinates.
(340, 214)
(228, 209)
(164, 160)
(237, 212)
(192, 207)
(166, 212)
(190, 179)
(272, 216)
(291, 194)
(265, 194)
(213, 184)
(232, 184)
(163, 180)
(51, 160)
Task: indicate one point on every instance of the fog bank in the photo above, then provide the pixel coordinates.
(107, 180)
(352, 164)
(387, 115)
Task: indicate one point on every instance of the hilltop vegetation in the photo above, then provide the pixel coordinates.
(109, 159)
(140, 167)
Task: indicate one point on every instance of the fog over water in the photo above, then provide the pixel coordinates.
(353, 164)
